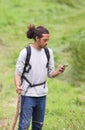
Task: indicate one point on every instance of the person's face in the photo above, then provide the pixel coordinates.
(43, 41)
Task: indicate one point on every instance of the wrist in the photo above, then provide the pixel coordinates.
(55, 73)
(18, 85)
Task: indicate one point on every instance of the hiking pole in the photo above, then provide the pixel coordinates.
(17, 112)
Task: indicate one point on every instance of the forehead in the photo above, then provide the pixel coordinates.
(45, 36)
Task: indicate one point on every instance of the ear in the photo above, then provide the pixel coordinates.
(37, 38)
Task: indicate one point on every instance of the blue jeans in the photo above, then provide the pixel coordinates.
(32, 107)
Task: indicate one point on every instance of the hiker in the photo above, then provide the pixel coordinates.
(30, 78)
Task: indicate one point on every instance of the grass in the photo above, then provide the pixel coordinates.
(65, 102)
(61, 111)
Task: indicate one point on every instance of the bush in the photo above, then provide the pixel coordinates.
(78, 59)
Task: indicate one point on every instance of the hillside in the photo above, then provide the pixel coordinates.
(65, 21)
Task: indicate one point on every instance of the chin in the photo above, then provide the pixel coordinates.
(45, 46)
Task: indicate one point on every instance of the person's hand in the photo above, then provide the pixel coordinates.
(61, 68)
(19, 89)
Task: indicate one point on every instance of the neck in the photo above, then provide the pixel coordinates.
(35, 45)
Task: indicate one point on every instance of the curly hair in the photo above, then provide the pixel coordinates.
(33, 31)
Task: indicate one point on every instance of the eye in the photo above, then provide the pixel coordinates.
(45, 40)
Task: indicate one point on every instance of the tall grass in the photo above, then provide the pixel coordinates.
(78, 56)
(72, 3)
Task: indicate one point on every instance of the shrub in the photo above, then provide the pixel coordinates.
(78, 59)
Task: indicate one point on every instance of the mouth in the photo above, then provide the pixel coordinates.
(46, 44)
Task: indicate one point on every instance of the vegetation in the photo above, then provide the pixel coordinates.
(77, 62)
(66, 23)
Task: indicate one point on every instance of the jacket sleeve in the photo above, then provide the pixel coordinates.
(51, 64)
(20, 62)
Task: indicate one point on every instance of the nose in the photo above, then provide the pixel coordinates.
(46, 42)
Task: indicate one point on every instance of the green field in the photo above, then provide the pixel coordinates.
(65, 20)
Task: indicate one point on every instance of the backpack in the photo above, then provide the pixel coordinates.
(27, 66)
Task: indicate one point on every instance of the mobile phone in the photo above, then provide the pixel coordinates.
(65, 65)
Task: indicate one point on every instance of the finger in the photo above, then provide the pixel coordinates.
(19, 87)
(19, 92)
(61, 69)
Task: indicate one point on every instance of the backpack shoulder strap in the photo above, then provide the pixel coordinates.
(28, 49)
(47, 55)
